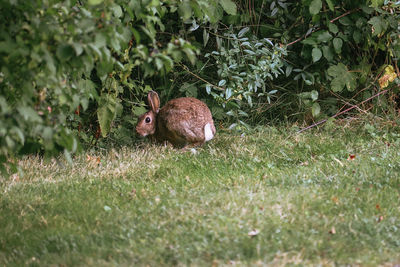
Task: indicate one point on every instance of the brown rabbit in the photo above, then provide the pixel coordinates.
(182, 121)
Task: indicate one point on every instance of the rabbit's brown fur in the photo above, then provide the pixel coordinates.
(182, 121)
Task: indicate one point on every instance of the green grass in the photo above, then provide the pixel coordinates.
(305, 202)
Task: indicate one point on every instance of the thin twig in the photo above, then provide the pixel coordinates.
(344, 14)
(346, 103)
(319, 28)
(198, 77)
(259, 17)
(344, 111)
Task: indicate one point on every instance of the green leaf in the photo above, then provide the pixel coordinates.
(136, 34)
(337, 85)
(357, 36)
(78, 48)
(190, 90)
(324, 36)
(289, 70)
(243, 31)
(137, 111)
(328, 54)
(6, 47)
(221, 83)
(228, 93)
(198, 13)
(314, 95)
(106, 113)
(206, 36)
(208, 89)
(95, 2)
(368, 10)
(337, 44)
(47, 136)
(345, 21)
(377, 3)
(65, 52)
(29, 114)
(117, 11)
(315, 7)
(229, 6)
(67, 156)
(315, 110)
(168, 62)
(47, 133)
(159, 63)
(100, 40)
(316, 54)
(341, 78)
(185, 10)
(333, 28)
(4, 108)
(249, 52)
(17, 131)
(309, 41)
(190, 54)
(96, 51)
(379, 25)
(330, 5)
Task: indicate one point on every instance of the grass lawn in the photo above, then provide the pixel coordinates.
(327, 197)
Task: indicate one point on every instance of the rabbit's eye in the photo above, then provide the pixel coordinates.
(147, 120)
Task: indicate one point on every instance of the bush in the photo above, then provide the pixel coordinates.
(337, 49)
(244, 66)
(70, 68)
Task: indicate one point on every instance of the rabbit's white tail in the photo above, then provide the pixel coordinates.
(208, 134)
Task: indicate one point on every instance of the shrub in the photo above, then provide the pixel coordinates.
(70, 68)
(244, 66)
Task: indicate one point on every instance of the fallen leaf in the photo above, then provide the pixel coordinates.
(15, 177)
(133, 192)
(351, 157)
(44, 220)
(254, 232)
(378, 207)
(335, 199)
(333, 230)
(387, 77)
(93, 161)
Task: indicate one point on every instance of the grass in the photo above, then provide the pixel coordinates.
(269, 197)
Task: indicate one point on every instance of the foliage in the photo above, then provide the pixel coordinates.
(79, 70)
(335, 51)
(269, 197)
(67, 64)
(244, 66)
(345, 47)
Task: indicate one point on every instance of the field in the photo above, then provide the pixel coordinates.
(267, 197)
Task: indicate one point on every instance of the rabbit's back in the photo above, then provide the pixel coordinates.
(185, 120)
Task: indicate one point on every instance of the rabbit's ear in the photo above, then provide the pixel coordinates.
(154, 101)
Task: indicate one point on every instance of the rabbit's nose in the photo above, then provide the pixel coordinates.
(140, 133)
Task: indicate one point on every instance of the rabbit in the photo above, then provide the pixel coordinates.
(183, 122)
